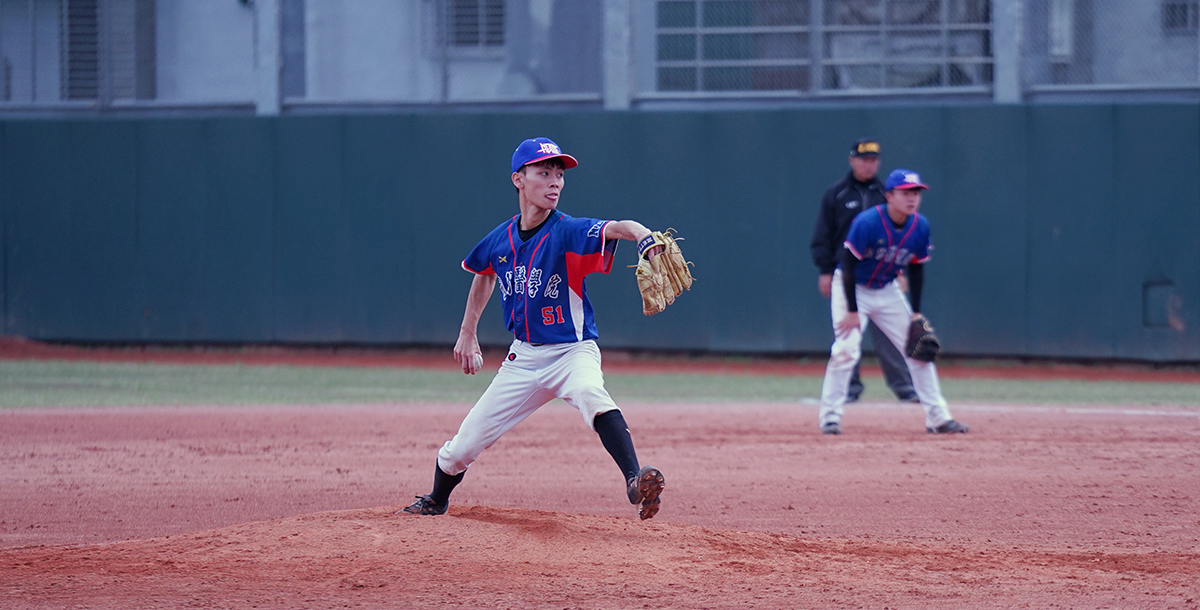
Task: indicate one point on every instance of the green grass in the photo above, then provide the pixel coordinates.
(46, 383)
(56, 383)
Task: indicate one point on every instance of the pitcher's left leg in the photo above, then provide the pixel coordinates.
(577, 379)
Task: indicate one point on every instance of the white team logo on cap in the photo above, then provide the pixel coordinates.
(549, 149)
(912, 178)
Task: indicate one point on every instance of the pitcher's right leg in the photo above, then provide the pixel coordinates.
(512, 396)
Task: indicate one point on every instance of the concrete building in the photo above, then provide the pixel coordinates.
(279, 56)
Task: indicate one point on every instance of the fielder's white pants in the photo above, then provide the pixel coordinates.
(534, 377)
(890, 311)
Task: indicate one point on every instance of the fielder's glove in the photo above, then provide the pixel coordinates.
(665, 277)
(922, 345)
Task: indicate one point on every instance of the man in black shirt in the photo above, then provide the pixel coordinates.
(858, 191)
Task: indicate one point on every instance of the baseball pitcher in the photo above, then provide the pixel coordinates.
(539, 259)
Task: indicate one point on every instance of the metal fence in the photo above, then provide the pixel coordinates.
(815, 46)
(294, 54)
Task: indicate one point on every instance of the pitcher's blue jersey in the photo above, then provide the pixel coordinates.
(541, 280)
(882, 248)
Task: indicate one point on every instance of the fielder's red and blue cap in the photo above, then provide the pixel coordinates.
(903, 179)
(539, 149)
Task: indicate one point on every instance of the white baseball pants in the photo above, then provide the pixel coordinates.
(530, 376)
(889, 309)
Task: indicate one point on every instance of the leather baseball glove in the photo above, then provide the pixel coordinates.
(922, 344)
(664, 278)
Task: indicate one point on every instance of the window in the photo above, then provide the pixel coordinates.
(815, 46)
(475, 24)
(752, 45)
(81, 70)
(293, 81)
(116, 63)
(1180, 17)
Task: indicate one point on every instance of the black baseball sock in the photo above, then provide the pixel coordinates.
(614, 433)
(443, 484)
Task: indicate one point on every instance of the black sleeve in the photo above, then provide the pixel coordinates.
(848, 279)
(825, 244)
(916, 280)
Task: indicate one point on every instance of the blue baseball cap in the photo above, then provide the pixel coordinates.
(903, 179)
(539, 149)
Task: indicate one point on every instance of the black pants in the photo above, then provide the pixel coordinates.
(895, 370)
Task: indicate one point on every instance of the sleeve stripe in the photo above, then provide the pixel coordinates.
(853, 250)
(487, 271)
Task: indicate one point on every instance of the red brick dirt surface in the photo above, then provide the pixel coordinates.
(293, 507)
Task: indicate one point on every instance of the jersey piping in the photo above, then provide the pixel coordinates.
(912, 224)
(526, 300)
(548, 269)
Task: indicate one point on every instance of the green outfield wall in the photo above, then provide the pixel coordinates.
(1060, 231)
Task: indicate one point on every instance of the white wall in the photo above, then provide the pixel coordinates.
(1155, 57)
(374, 51)
(387, 51)
(23, 48)
(205, 51)
(371, 50)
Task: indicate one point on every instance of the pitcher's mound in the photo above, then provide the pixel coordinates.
(480, 557)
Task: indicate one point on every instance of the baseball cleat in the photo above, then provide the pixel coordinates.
(424, 506)
(645, 488)
(949, 427)
(831, 428)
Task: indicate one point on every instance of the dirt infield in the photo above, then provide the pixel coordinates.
(292, 507)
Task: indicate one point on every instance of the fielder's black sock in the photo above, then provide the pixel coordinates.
(614, 433)
(443, 484)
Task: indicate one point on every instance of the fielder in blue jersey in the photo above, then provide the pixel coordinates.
(882, 241)
(539, 259)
